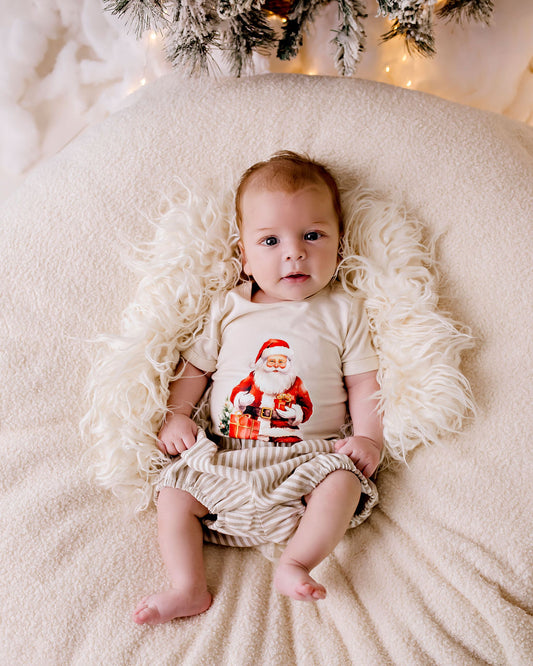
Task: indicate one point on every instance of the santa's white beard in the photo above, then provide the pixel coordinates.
(272, 382)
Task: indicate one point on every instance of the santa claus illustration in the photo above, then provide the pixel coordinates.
(272, 396)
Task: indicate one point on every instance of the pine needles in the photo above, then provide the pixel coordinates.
(193, 29)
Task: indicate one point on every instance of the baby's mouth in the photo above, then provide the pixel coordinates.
(296, 277)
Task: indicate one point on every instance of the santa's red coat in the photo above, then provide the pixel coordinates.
(280, 430)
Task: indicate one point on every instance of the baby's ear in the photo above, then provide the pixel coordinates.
(244, 262)
(339, 249)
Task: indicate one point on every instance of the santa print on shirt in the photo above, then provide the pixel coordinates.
(272, 402)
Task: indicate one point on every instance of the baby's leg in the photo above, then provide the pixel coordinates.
(181, 545)
(330, 507)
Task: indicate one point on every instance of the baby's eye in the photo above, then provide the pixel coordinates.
(312, 235)
(270, 241)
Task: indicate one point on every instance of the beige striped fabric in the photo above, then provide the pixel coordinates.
(253, 490)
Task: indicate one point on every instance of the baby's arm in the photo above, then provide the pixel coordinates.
(364, 446)
(178, 432)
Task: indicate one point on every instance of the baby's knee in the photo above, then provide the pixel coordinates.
(176, 499)
(340, 481)
(346, 482)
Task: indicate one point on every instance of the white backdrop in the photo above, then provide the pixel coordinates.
(65, 64)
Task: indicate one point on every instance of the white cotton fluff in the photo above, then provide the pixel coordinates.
(193, 256)
(19, 138)
(26, 42)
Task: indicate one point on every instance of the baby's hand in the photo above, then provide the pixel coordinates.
(177, 434)
(363, 451)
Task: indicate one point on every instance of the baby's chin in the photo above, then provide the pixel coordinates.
(295, 287)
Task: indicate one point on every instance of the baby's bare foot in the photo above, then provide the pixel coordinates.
(169, 604)
(293, 580)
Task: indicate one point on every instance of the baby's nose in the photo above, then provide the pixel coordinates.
(295, 250)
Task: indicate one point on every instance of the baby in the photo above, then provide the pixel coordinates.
(285, 353)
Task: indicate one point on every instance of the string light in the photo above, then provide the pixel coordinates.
(152, 43)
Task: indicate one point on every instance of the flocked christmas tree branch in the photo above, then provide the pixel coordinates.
(193, 28)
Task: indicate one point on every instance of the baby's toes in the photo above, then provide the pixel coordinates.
(145, 614)
(310, 591)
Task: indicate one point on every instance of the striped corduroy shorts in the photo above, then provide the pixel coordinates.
(253, 490)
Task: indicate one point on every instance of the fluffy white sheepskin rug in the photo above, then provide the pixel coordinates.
(194, 255)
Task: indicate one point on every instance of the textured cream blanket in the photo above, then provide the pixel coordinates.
(441, 572)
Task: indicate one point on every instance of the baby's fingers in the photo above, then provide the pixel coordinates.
(172, 448)
(188, 439)
(367, 464)
(343, 446)
(167, 446)
(339, 444)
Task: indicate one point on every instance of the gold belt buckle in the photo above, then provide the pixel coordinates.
(266, 413)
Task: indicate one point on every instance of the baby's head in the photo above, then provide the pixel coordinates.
(289, 217)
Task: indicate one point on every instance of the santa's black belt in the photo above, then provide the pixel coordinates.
(260, 412)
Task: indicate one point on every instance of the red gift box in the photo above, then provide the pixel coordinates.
(283, 400)
(243, 426)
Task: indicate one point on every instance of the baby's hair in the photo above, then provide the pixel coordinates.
(288, 172)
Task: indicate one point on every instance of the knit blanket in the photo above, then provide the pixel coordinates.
(439, 199)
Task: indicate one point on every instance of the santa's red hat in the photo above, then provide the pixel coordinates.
(274, 347)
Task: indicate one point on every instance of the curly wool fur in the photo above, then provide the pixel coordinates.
(193, 256)
(423, 395)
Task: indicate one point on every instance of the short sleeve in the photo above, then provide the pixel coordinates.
(359, 354)
(203, 352)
